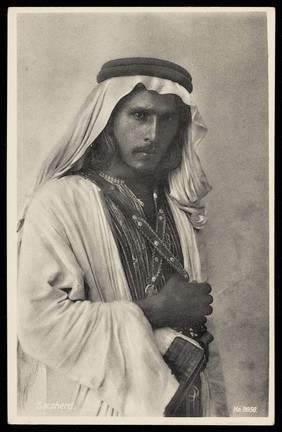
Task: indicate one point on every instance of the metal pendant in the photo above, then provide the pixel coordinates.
(150, 290)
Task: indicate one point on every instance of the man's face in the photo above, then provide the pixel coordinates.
(144, 126)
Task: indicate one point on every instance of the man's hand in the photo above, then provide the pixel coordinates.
(178, 304)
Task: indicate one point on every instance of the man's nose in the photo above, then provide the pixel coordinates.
(152, 129)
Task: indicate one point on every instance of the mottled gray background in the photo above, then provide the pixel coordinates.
(59, 56)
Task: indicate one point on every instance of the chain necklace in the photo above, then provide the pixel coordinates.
(157, 259)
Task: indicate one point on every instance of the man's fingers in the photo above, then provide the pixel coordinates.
(202, 321)
(199, 321)
(204, 288)
(204, 310)
(209, 299)
(208, 310)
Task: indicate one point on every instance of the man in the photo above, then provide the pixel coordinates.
(111, 298)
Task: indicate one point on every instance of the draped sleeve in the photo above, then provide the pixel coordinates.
(108, 346)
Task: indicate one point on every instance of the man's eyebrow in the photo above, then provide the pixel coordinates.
(139, 107)
(151, 110)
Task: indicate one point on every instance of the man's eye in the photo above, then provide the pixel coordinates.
(140, 115)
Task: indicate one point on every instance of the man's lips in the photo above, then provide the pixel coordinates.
(144, 151)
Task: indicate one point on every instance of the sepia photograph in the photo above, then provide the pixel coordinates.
(140, 215)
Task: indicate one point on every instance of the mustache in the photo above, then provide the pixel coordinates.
(148, 148)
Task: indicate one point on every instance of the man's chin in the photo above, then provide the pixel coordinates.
(146, 170)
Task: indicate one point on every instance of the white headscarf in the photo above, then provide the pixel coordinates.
(188, 183)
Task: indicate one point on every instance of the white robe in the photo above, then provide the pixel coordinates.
(100, 355)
